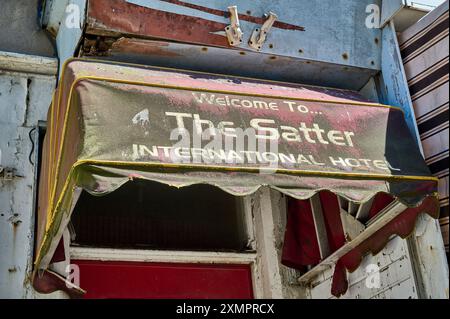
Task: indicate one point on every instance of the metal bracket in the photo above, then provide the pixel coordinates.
(233, 31)
(259, 36)
(6, 173)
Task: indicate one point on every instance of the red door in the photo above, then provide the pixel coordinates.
(131, 280)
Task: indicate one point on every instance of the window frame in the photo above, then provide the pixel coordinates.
(250, 257)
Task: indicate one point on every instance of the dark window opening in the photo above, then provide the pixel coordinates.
(149, 215)
(37, 136)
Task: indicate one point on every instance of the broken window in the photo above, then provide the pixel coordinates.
(149, 215)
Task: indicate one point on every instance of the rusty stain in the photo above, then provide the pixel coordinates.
(53, 32)
(14, 220)
(98, 46)
(345, 56)
(12, 269)
(131, 19)
(16, 223)
(142, 47)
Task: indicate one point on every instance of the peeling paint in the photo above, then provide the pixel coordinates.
(24, 99)
(15, 220)
(136, 47)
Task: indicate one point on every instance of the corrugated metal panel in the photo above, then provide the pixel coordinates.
(425, 52)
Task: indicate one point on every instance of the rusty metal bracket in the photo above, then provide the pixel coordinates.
(259, 35)
(233, 31)
(6, 173)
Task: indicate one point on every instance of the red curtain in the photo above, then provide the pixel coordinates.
(332, 218)
(300, 247)
(379, 203)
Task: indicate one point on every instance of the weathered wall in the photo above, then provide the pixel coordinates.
(24, 100)
(20, 30)
(396, 276)
(27, 81)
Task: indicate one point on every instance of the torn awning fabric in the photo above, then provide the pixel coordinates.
(110, 123)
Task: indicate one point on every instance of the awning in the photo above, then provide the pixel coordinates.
(111, 123)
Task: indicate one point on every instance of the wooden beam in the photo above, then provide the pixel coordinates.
(16, 62)
(268, 258)
(352, 227)
(137, 255)
(319, 224)
(353, 208)
(364, 210)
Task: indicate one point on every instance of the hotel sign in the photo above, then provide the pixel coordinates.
(210, 129)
